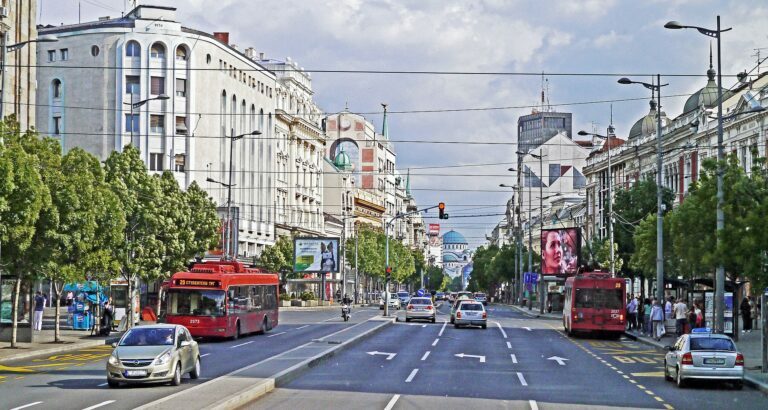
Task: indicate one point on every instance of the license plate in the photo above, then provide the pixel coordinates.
(135, 373)
(714, 360)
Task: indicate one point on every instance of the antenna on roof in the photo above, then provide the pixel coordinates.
(757, 54)
(545, 105)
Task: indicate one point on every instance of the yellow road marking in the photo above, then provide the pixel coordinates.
(669, 407)
(632, 381)
(658, 398)
(20, 377)
(649, 374)
(15, 369)
(649, 392)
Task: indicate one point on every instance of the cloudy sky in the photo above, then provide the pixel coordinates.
(484, 45)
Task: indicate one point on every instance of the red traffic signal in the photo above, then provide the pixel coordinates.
(389, 269)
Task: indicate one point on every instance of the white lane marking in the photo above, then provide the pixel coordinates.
(435, 342)
(241, 344)
(522, 379)
(329, 319)
(443, 328)
(205, 354)
(533, 404)
(514, 358)
(392, 402)
(102, 404)
(509, 345)
(527, 328)
(425, 355)
(102, 385)
(276, 334)
(423, 325)
(27, 405)
(412, 375)
(502, 330)
(299, 328)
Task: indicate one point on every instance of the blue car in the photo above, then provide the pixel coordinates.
(404, 297)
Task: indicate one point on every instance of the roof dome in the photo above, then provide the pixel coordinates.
(453, 237)
(645, 125)
(450, 257)
(707, 96)
(342, 161)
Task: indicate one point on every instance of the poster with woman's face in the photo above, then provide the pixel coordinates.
(560, 251)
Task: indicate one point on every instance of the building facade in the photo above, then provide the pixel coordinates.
(18, 77)
(536, 128)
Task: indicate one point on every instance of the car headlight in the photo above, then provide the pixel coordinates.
(113, 360)
(163, 358)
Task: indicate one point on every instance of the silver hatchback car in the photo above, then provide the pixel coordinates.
(704, 356)
(153, 354)
(470, 313)
(420, 308)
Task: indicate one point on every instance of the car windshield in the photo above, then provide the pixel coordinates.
(479, 295)
(471, 306)
(402, 294)
(421, 301)
(191, 302)
(712, 343)
(148, 337)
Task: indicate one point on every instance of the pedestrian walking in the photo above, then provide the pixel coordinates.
(668, 308)
(647, 316)
(37, 323)
(632, 313)
(746, 315)
(640, 315)
(657, 317)
(680, 311)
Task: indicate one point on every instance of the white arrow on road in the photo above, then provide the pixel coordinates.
(390, 356)
(559, 360)
(482, 358)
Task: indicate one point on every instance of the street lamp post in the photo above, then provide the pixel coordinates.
(228, 240)
(518, 269)
(343, 256)
(720, 271)
(659, 189)
(610, 191)
(49, 38)
(542, 288)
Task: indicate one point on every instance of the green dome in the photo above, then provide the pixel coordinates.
(342, 161)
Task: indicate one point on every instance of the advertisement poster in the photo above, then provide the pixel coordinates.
(219, 249)
(560, 251)
(709, 311)
(316, 255)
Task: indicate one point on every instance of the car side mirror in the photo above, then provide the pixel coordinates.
(185, 343)
(113, 344)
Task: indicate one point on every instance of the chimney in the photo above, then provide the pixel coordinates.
(250, 52)
(261, 56)
(222, 36)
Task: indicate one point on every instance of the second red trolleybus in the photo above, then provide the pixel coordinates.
(595, 302)
(223, 299)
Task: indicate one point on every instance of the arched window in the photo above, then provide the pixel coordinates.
(132, 49)
(181, 53)
(56, 88)
(157, 51)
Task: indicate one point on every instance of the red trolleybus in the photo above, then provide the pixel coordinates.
(223, 299)
(595, 302)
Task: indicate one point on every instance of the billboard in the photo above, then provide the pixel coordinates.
(560, 249)
(434, 229)
(316, 255)
(219, 249)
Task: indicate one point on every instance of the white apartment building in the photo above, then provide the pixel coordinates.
(17, 26)
(88, 79)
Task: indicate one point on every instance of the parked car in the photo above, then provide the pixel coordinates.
(153, 354)
(394, 302)
(480, 297)
(704, 355)
(471, 313)
(420, 308)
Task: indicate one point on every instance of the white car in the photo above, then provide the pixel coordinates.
(394, 302)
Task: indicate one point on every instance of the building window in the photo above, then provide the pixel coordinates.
(179, 162)
(56, 85)
(181, 125)
(208, 59)
(181, 54)
(64, 54)
(132, 49)
(51, 55)
(157, 123)
(155, 162)
(181, 87)
(157, 85)
(132, 84)
(56, 125)
(157, 51)
(131, 122)
(94, 51)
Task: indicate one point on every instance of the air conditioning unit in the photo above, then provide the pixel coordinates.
(3, 11)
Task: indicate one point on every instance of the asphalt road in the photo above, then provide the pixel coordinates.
(517, 362)
(76, 380)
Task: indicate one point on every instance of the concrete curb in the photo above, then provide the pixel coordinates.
(285, 376)
(749, 380)
(58, 349)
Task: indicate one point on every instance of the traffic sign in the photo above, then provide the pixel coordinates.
(420, 292)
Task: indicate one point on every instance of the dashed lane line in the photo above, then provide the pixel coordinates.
(102, 404)
(509, 345)
(442, 329)
(102, 385)
(522, 379)
(302, 327)
(533, 404)
(514, 358)
(503, 333)
(392, 402)
(242, 344)
(27, 405)
(435, 342)
(204, 354)
(276, 334)
(412, 375)
(425, 356)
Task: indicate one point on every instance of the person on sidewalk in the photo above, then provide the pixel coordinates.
(37, 324)
(640, 315)
(680, 311)
(668, 308)
(746, 315)
(657, 317)
(647, 316)
(699, 314)
(632, 313)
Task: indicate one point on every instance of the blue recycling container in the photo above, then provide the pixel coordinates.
(81, 321)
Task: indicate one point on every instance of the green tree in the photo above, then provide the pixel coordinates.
(279, 258)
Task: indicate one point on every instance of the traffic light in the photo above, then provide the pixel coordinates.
(389, 273)
(441, 208)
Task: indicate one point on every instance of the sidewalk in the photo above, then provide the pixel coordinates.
(534, 312)
(70, 340)
(748, 345)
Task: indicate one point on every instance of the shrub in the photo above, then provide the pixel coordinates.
(307, 295)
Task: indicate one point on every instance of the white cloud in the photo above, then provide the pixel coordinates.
(610, 39)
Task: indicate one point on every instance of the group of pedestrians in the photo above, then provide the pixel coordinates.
(649, 316)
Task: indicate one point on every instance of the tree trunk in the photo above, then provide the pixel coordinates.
(15, 311)
(129, 313)
(159, 301)
(56, 332)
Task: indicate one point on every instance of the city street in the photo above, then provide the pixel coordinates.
(76, 380)
(520, 363)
